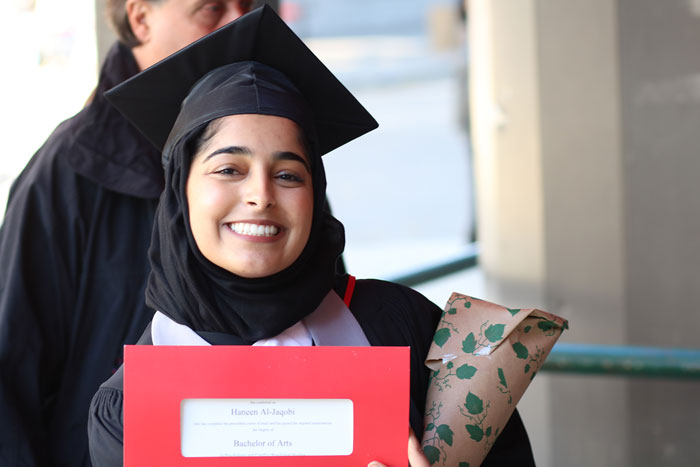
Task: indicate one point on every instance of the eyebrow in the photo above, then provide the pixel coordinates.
(235, 150)
(291, 156)
(245, 151)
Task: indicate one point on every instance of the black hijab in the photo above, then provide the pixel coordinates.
(189, 288)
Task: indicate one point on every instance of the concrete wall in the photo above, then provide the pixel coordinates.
(506, 138)
(660, 108)
(585, 120)
(584, 220)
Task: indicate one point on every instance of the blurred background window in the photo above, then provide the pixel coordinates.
(404, 192)
(49, 70)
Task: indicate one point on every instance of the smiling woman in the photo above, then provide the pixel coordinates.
(244, 249)
(250, 195)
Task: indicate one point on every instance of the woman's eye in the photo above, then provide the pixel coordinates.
(227, 171)
(290, 178)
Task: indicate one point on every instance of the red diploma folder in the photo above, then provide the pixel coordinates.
(265, 406)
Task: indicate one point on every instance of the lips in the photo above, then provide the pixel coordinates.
(255, 230)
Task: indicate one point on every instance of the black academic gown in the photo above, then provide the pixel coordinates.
(73, 269)
(390, 315)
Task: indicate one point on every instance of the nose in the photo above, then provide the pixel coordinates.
(259, 192)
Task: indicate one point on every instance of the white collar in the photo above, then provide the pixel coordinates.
(165, 331)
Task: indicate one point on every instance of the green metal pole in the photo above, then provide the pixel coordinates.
(649, 362)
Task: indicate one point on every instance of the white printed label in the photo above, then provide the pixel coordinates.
(266, 427)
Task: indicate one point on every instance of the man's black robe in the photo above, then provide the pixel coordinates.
(390, 315)
(73, 269)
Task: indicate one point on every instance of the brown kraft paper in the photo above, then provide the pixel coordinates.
(483, 357)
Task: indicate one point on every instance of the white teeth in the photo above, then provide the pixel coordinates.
(257, 230)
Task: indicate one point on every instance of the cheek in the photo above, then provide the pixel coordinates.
(212, 199)
(207, 204)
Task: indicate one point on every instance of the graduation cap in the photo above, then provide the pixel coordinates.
(152, 100)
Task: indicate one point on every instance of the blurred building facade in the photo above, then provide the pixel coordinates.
(585, 119)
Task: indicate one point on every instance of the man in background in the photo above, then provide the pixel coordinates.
(74, 242)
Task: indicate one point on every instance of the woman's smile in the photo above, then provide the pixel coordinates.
(255, 230)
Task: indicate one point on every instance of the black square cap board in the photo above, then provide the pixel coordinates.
(151, 100)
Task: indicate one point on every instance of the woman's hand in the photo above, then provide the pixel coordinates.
(416, 458)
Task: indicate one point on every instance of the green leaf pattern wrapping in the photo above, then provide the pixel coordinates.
(441, 336)
(445, 434)
(477, 339)
(469, 344)
(503, 385)
(489, 334)
(432, 453)
(476, 414)
(548, 327)
(502, 378)
(534, 357)
(466, 371)
(441, 379)
(494, 333)
(520, 350)
(474, 404)
(445, 327)
(475, 432)
(435, 435)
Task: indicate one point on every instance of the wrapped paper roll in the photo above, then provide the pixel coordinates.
(483, 358)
